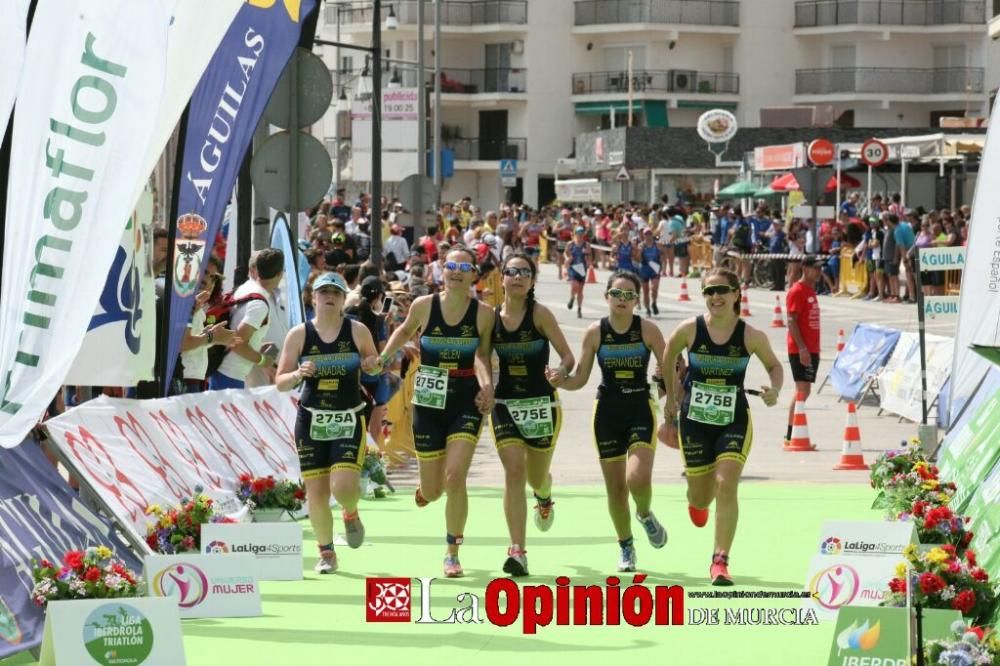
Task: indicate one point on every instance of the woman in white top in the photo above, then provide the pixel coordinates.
(198, 337)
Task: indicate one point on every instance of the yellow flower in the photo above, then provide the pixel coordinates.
(901, 570)
(910, 551)
(936, 556)
(103, 552)
(153, 508)
(930, 485)
(165, 521)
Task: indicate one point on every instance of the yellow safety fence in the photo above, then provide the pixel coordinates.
(399, 413)
(490, 288)
(543, 248)
(853, 275)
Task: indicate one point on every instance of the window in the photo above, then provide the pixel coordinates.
(951, 56)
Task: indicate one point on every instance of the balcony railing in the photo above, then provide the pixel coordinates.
(814, 13)
(671, 80)
(490, 80)
(888, 81)
(488, 149)
(453, 12)
(682, 12)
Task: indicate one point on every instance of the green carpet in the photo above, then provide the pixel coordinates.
(322, 619)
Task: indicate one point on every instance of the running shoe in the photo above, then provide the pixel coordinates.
(517, 562)
(419, 498)
(627, 560)
(327, 562)
(452, 567)
(355, 530)
(654, 530)
(649, 312)
(698, 516)
(719, 572)
(569, 306)
(656, 310)
(544, 515)
(579, 313)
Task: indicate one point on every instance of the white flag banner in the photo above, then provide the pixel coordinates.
(120, 347)
(196, 28)
(899, 383)
(83, 119)
(13, 28)
(135, 453)
(979, 309)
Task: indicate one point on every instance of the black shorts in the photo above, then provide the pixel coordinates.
(801, 373)
(892, 268)
(506, 432)
(703, 445)
(680, 250)
(460, 419)
(317, 458)
(622, 425)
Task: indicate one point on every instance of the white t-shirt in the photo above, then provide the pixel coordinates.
(254, 313)
(196, 360)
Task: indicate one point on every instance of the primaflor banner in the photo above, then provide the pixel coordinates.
(75, 135)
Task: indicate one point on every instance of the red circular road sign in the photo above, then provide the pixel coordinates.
(874, 153)
(820, 152)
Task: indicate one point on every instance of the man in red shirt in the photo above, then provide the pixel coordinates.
(803, 332)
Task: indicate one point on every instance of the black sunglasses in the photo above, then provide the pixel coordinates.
(717, 290)
(514, 271)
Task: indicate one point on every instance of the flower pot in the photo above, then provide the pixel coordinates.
(268, 515)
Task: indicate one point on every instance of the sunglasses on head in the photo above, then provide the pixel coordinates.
(717, 290)
(514, 271)
(624, 294)
(463, 266)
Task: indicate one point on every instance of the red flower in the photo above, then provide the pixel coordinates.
(966, 540)
(930, 523)
(926, 474)
(93, 575)
(269, 482)
(931, 583)
(258, 486)
(964, 601)
(245, 478)
(45, 564)
(948, 548)
(970, 556)
(300, 494)
(918, 508)
(898, 585)
(978, 631)
(980, 575)
(153, 542)
(73, 559)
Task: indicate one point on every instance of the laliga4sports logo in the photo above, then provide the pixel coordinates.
(216, 548)
(831, 546)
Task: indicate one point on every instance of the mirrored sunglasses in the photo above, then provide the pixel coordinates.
(624, 294)
(463, 266)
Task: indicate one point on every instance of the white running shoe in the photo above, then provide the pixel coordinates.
(517, 562)
(627, 560)
(654, 530)
(544, 515)
(327, 562)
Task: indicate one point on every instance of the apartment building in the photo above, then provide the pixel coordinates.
(522, 78)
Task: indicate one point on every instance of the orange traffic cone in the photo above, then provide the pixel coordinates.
(800, 427)
(745, 301)
(840, 341)
(591, 276)
(779, 320)
(850, 454)
(684, 290)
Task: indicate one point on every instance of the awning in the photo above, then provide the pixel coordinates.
(605, 108)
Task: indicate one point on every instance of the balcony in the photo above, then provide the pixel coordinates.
(889, 14)
(457, 81)
(675, 81)
(487, 150)
(455, 15)
(882, 83)
(597, 15)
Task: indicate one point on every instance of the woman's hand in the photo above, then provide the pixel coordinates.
(484, 400)
(769, 396)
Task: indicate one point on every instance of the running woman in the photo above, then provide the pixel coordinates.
(527, 415)
(624, 429)
(327, 356)
(623, 250)
(578, 262)
(453, 390)
(715, 428)
(649, 271)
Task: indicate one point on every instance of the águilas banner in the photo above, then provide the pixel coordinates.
(74, 137)
(12, 39)
(223, 115)
(134, 453)
(120, 347)
(40, 517)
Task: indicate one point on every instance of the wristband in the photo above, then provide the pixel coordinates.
(263, 360)
(209, 336)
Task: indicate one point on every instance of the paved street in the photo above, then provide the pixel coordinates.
(575, 459)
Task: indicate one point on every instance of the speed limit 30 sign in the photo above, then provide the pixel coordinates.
(874, 153)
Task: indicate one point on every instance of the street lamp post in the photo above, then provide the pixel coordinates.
(375, 217)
